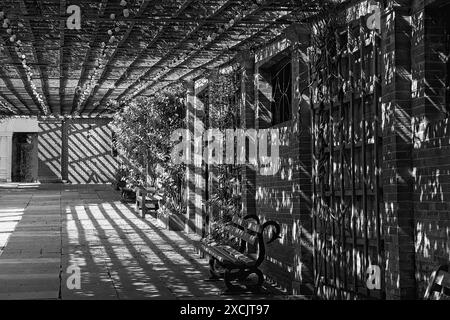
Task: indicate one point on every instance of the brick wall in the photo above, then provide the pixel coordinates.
(397, 147)
(279, 198)
(286, 196)
(431, 165)
(415, 170)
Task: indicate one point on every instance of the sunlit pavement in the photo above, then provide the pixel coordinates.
(48, 231)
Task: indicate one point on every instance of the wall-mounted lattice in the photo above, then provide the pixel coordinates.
(347, 155)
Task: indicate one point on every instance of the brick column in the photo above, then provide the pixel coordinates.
(248, 121)
(430, 110)
(398, 220)
(303, 282)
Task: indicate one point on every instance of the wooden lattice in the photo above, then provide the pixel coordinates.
(347, 154)
(117, 57)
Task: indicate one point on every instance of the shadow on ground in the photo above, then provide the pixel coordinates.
(47, 229)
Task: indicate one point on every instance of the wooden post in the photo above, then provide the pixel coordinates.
(143, 203)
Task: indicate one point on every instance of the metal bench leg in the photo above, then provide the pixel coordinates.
(242, 276)
(144, 206)
(228, 277)
(214, 275)
(137, 200)
(259, 282)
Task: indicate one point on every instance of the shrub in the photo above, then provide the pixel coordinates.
(143, 128)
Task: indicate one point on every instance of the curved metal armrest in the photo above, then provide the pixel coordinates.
(252, 216)
(276, 234)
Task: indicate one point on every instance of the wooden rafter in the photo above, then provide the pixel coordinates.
(124, 39)
(196, 52)
(165, 50)
(124, 75)
(152, 20)
(13, 90)
(185, 39)
(44, 84)
(102, 9)
(4, 97)
(209, 65)
(197, 72)
(18, 66)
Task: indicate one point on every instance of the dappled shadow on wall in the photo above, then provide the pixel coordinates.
(49, 152)
(431, 174)
(89, 154)
(283, 197)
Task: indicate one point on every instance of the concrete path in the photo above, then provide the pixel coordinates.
(50, 232)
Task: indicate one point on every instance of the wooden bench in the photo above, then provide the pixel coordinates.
(127, 194)
(439, 285)
(146, 200)
(231, 263)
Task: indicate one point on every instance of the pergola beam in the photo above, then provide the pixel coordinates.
(185, 39)
(194, 73)
(12, 89)
(202, 49)
(166, 49)
(4, 97)
(142, 53)
(124, 39)
(85, 66)
(206, 65)
(21, 72)
(44, 84)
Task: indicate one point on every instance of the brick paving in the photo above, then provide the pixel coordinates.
(45, 229)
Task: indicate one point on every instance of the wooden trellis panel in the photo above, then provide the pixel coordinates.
(223, 98)
(347, 192)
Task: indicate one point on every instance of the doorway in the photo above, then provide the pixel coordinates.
(24, 157)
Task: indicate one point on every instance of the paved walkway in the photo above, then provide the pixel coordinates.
(46, 229)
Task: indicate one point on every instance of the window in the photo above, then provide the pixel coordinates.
(281, 75)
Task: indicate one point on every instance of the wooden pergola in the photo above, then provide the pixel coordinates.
(124, 48)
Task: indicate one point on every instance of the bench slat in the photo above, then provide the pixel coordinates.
(227, 254)
(221, 255)
(250, 225)
(242, 234)
(149, 203)
(221, 250)
(238, 255)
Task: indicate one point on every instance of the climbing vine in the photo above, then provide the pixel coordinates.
(224, 113)
(5, 111)
(143, 129)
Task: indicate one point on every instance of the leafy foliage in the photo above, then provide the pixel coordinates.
(143, 129)
(225, 199)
